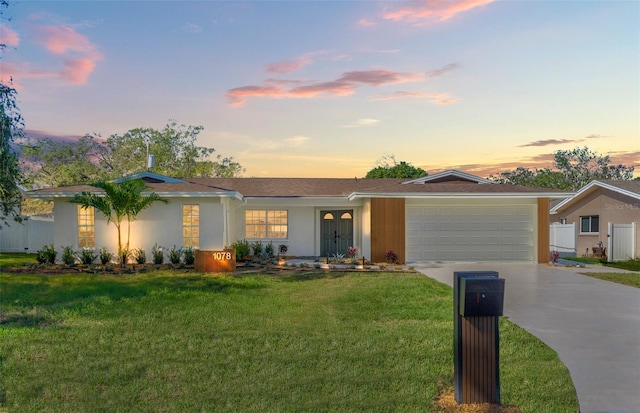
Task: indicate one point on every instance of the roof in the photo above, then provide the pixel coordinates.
(628, 188)
(450, 175)
(350, 188)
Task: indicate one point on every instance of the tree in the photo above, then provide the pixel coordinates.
(581, 166)
(11, 126)
(573, 169)
(90, 159)
(50, 163)
(175, 151)
(120, 200)
(397, 170)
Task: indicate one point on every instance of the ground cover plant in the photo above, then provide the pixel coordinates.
(298, 342)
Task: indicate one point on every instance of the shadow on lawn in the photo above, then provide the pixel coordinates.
(40, 300)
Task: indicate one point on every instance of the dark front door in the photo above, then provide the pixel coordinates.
(336, 232)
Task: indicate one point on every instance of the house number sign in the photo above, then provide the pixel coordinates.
(222, 255)
(215, 261)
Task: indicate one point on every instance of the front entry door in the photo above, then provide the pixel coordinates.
(336, 232)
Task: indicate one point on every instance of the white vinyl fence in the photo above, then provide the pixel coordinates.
(562, 238)
(29, 236)
(622, 238)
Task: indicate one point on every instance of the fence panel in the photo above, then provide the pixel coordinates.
(562, 238)
(622, 241)
(30, 236)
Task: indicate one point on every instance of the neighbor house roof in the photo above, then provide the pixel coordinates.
(628, 188)
(453, 184)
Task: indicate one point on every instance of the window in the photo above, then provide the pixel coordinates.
(266, 224)
(86, 227)
(590, 224)
(191, 226)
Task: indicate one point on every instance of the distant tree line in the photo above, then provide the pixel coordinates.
(572, 169)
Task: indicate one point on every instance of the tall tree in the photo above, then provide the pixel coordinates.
(573, 169)
(388, 167)
(11, 126)
(175, 151)
(91, 159)
(48, 162)
(120, 200)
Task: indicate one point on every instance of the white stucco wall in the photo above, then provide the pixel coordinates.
(161, 224)
(303, 222)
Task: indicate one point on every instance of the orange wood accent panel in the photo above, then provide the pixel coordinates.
(387, 228)
(215, 261)
(543, 230)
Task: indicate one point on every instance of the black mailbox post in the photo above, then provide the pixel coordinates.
(478, 298)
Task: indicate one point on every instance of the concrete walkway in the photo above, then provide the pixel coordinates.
(593, 325)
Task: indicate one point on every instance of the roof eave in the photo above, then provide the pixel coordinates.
(458, 195)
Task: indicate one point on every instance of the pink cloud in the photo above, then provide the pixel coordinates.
(9, 37)
(424, 12)
(79, 55)
(436, 98)
(77, 71)
(335, 88)
(380, 77)
(366, 22)
(239, 95)
(14, 73)
(343, 86)
(288, 66)
(59, 40)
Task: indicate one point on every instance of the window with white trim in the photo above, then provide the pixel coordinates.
(266, 223)
(86, 227)
(590, 224)
(191, 226)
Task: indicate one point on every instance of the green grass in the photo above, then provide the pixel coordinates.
(166, 342)
(630, 279)
(18, 259)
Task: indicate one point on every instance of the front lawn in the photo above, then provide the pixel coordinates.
(169, 342)
(10, 259)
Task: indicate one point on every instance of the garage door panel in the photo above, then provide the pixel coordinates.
(470, 233)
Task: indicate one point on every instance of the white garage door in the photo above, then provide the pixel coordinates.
(470, 232)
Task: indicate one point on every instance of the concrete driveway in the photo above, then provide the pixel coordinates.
(593, 325)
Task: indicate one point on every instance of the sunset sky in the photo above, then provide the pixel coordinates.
(327, 88)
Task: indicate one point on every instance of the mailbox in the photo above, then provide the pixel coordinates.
(481, 296)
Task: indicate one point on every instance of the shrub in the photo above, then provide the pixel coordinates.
(553, 257)
(391, 257)
(105, 256)
(175, 255)
(256, 247)
(282, 248)
(124, 256)
(189, 255)
(47, 255)
(242, 249)
(353, 251)
(68, 255)
(157, 254)
(268, 249)
(139, 256)
(87, 256)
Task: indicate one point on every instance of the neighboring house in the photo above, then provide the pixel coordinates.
(606, 212)
(449, 216)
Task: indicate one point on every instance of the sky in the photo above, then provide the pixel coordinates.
(329, 88)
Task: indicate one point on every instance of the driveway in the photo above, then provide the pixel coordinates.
(593, 325)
